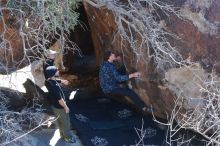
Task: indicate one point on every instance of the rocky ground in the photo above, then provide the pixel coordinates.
(51, 137)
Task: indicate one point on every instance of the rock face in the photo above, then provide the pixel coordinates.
(200, 35)
(200, 42)
(9, 57)
(187, 80)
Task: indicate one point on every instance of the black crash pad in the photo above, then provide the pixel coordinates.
(112, 124)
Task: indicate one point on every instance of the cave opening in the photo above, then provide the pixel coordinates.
(84, 60)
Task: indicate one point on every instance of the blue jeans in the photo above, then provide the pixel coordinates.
(129, 93)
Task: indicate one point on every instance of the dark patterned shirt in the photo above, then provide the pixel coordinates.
(109, 77)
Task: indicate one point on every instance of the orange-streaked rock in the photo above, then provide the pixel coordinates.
(200, 42)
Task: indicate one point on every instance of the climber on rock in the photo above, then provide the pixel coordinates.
(111, 79)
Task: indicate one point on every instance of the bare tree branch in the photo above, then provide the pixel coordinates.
(35, 25)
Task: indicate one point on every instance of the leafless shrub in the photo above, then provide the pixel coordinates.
(15, 125)
(204, 117)
(35, 24)
(141, 135)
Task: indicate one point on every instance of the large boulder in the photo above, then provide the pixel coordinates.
(11, 49)
(200, 41)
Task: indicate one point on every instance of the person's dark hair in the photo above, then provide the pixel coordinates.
(106, 55)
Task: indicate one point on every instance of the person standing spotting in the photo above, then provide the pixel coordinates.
(110, 80)
(49, 61)
(57, 100)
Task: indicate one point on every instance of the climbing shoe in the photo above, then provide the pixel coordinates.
(148, 109)
(70, 140)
